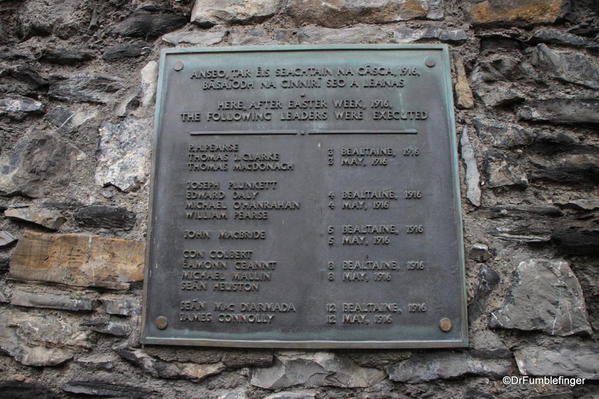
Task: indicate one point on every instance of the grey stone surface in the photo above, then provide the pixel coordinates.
(574, 67)
(578, 167)
(473, 192)
(66, 56)
(486, 280)
(545, 296)
(105, 217)
(500, 67)
(314, 370)
(436, 9)
(196, 37)
(429, 33)
(568, 359)
(521, 235)
(25, 390)
(97, 362)
(18, 106)
(145, 24)
(501, 170)
(303, 394)
(124, 154)
(4, 262)
(573, 240)
(125, 51)
(157, 368)
(38, 163)
(487, 344)
(313, 34)
(581, 204)
(6, 239)
(248, 358)
(480, 252)
(52, 301)
(22, 80)
(94, 387)
(85, 87)
(116, 328)
(554, 36)
(122, 306)
(149, 78)
(446, 365)
(337, 13)
(39, 340)
(562, 111)
(501, 134)
(207, 13)
(69, 120)
(250, 36)
(40, 18)
(494, 96)
(47, 218)
(519, 212)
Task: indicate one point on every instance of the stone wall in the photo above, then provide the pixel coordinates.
(77, 82)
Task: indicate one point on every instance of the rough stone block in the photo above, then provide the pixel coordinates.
(107, 217)
(24, 390)
(37, 164)
(446, 365)
(124, 154)
(85, 87)
(41, 18)
(116, 328)
(569, 360)
(456, 36)
(78, 259)
(207, 13)
(129, 50)
(197, 37)
(39, 340)
(157, 368)
(94, 387)
(314, 370)
(6, 239)
(562, 111)
(149, 24)
(51, 301)
(473, 192)
(66, 56)
(569, 66)
(47, 218)
(545, 296)
(18, 106)
(515, 12)
(337, 13)
(122, 306)
(501, 170)
(313, 34)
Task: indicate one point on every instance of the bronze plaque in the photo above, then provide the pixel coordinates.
(305, 197)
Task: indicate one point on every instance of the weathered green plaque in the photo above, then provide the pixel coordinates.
(305, 197)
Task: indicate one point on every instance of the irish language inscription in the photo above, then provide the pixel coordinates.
(305, 197)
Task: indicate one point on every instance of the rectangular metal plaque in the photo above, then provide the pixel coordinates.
(305, 197)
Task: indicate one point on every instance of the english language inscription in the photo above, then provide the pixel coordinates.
(305, 198)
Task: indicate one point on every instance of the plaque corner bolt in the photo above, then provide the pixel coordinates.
(430, 62)
(161, 322)
(178, 66)
(445, 324)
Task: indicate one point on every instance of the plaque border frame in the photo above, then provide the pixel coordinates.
(309, 344)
